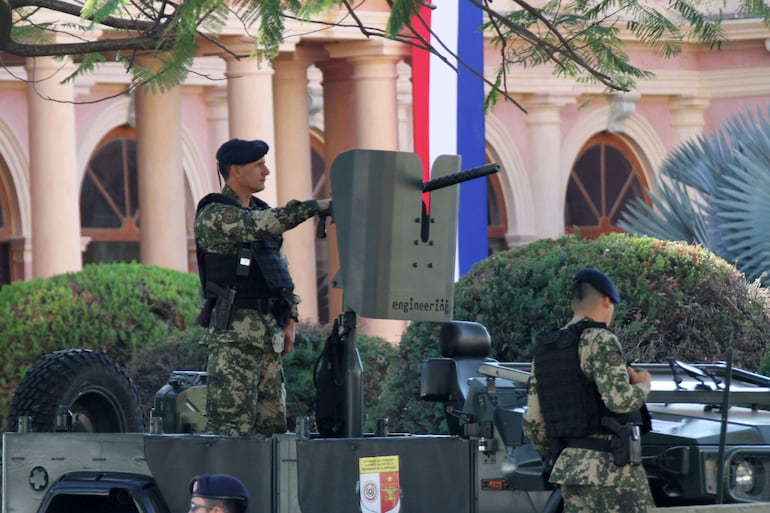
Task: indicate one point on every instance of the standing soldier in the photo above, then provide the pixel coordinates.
(250, 308)
(584, 407)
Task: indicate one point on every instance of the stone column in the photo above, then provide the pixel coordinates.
(293, 176)
(375, 96)
(216, 101)
(53, 174)
(250, 110)
(375, 110)
(687, 118)
(547, 171)
(163, 239)
(339, 124)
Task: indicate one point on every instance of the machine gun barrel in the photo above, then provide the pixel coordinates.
(462, 176)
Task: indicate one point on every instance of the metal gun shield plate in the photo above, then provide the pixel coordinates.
(392, 264)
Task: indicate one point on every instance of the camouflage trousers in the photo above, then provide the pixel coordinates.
(634, 498)
(246, 393)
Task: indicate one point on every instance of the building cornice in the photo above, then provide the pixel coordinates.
(732, 83)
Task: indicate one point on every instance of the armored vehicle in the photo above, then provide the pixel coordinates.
(485, 465)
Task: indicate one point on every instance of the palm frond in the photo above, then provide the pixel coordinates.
(672, 216)
(742, 212)
(715, 189)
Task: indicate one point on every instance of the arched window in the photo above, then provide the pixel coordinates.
(109, 203)
(604, 177)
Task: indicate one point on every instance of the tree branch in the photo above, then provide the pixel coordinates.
(103, 45)
(147, 38)
(565, 49)
(74, 10)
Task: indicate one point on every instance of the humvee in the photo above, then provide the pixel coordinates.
(484, 465)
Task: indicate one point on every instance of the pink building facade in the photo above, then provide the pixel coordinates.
(91, 173)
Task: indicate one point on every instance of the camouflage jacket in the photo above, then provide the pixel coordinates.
(220, 228)
(601, 360)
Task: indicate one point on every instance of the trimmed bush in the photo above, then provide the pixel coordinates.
(116, 308)
(678, 301)
(151, 367)
(299, 365)
(143, 316)
(400, 401)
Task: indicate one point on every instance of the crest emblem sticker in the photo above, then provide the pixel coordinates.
(380, 490)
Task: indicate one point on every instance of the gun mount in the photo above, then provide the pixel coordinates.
(397, 247)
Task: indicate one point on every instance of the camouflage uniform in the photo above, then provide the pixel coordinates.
(246, 393)
(590, 482)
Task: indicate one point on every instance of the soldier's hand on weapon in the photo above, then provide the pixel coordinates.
(325, 210)
(289, 333)
(324, 204)
(639, 376)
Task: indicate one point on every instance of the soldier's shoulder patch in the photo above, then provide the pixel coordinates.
(615, 358)
(229, 216)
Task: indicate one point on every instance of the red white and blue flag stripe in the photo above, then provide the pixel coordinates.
(449, 111)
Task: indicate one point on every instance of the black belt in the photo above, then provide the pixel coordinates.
(263, 304)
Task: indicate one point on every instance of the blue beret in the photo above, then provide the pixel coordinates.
(599, 281)
(218, 486)
(238, 151)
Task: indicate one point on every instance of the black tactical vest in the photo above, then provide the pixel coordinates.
(256, 272)
(570, 402)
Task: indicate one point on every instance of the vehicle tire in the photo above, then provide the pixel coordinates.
(97, 391)
(555, 503)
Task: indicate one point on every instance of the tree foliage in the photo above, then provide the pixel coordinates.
(116, 308)
(143, 316)
(580, 39)
(714, 190)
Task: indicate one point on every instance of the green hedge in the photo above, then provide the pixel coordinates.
(116, 308)
(151, 367)
(678, 300)
(376, 354)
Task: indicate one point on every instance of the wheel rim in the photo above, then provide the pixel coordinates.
(96, 411)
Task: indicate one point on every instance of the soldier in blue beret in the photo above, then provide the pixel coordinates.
(250, 307)
(585, 404)
(240, 152)
(223, 492)
(599, 281)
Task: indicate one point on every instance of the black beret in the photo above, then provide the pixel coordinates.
(238, 151)
(218, 486)
(599, 281)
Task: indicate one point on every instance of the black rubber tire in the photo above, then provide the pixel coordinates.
(97, 391)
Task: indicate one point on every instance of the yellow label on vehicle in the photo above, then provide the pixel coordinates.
(378, 464)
